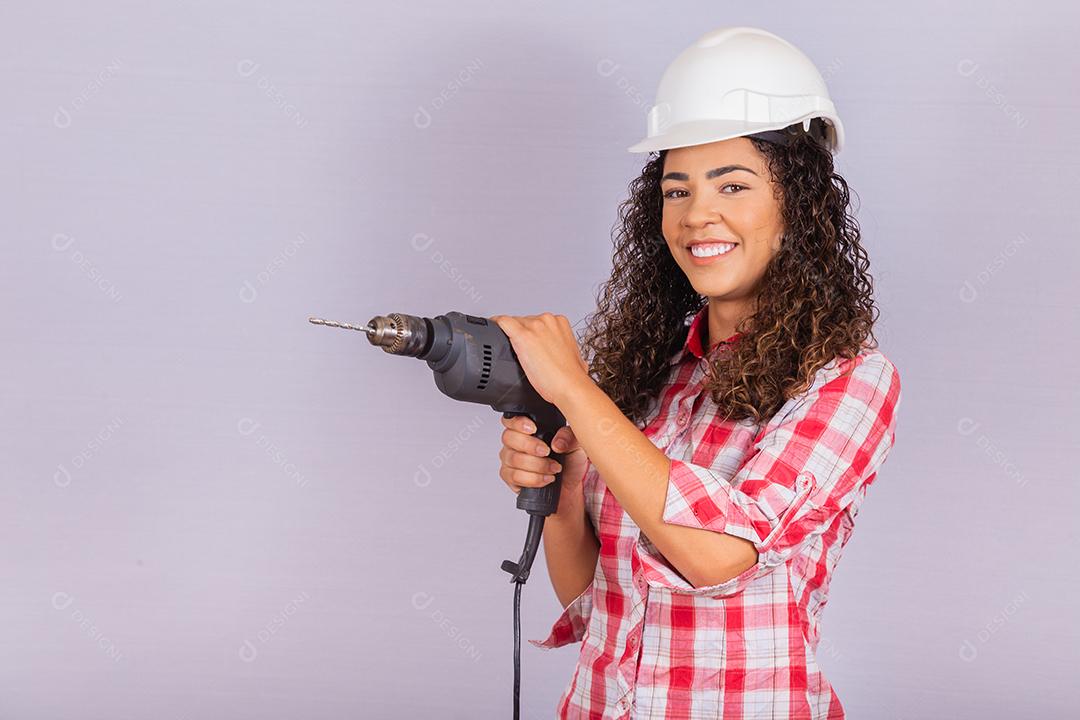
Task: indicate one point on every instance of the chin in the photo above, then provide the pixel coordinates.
(716, 290)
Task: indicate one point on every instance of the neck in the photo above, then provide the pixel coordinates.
(724, 317)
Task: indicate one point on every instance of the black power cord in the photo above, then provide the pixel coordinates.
(519, 572)
(517, 648)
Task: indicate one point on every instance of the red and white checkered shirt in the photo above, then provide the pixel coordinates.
(653, 645)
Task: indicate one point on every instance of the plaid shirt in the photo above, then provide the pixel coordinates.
(653, 645)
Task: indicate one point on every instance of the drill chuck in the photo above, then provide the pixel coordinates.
(396, 333)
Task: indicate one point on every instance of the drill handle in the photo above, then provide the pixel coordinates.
(544, 500)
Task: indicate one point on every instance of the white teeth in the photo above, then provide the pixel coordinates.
(710, 250)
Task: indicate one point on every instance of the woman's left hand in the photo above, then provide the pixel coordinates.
(548, 352)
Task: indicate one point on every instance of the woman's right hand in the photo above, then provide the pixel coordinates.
(525, 461)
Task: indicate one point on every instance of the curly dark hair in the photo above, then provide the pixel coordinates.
(815, 301)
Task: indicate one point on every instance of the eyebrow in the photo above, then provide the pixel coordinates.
(715, 172)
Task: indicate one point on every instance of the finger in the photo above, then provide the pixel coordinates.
(559, 442)
(525, 460)
(519, 423)
(528, 463)
(505, 322)
(504, 473)
(523, 478)
(565, 440)
(525, 443)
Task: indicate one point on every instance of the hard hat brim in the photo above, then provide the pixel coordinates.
(700, 132)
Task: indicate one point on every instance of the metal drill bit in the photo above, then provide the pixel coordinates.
(368, 329)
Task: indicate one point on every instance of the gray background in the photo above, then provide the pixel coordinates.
(212, 509)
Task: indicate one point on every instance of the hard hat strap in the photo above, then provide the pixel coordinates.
(785, 136)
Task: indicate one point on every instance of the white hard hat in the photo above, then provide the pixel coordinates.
(738, 81)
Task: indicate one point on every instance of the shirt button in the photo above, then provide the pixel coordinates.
(632, 641)
(683, 417)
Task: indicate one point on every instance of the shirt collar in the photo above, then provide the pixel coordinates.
(693, 345)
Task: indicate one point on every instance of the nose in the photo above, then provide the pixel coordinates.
(702, 211)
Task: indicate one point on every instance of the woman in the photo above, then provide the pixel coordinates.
(713, 471)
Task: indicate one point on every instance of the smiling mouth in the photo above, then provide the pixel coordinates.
(707, 250)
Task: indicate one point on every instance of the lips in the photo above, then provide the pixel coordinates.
(712, 244)
(709, 241)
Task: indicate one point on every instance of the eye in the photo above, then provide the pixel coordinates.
(668, 195)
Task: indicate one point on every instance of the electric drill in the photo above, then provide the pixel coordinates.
(474, 361)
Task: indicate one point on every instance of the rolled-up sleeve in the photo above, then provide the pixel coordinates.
(807, 468)
(570, 627)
